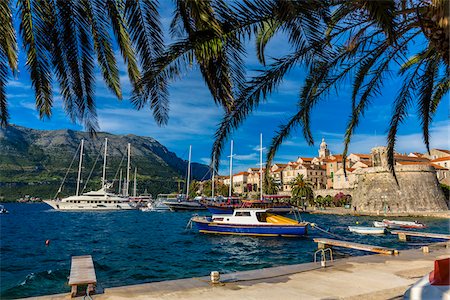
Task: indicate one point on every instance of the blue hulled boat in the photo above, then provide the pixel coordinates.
(255, 222)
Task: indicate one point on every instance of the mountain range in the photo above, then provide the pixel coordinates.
(34, 162)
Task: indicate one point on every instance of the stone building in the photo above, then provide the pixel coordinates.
(376, 190)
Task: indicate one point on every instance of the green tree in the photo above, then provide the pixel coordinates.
(271, 186)
(301, 190)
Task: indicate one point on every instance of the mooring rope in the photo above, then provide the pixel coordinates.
(314, 225)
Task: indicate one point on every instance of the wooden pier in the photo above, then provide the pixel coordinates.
(404, 235)
(82, 272)
(325, 243)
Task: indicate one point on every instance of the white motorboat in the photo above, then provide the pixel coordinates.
(3, 210)
(379, 224)
(403, 224)
(157, 205)
(95, 200)
(366, 230)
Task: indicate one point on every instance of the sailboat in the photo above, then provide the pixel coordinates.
(99, 200)
(184, 203)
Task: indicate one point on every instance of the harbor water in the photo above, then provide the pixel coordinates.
(132, 247)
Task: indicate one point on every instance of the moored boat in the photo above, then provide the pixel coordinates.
(3, 210)
(254, 222)
(403, 224)
(366, 230)
(379, 224)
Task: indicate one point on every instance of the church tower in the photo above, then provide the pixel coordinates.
(323, 150)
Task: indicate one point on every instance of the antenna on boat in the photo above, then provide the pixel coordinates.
(189, 172)
(231, 170)
(213, 173)
(79, 167)
(104, 164)
(128, 170)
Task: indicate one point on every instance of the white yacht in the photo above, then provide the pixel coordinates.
(94, 200)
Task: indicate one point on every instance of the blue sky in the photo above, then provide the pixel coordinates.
(194, 116)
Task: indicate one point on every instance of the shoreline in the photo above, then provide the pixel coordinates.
(371, 276)
(348, 212)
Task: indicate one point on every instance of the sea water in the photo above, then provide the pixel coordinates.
(132, 247)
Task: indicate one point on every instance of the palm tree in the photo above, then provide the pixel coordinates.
(271, 186)
(301, 188)
(63, 39)
(364, 39)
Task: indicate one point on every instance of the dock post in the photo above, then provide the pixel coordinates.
(403, 237)
(321, 245)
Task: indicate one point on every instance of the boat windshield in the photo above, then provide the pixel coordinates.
(261, 216)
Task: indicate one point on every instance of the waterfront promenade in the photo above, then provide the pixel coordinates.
(363, 277)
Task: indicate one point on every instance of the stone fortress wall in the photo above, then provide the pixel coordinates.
(377, 191)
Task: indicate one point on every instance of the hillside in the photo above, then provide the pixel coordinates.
(34, 162)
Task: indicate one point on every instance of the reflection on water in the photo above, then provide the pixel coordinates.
(133, 247)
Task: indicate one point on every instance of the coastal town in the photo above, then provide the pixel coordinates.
(325, 172)
(224, 149)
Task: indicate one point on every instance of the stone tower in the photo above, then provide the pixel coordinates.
(377, 191)
(323, 150)
(379, 157)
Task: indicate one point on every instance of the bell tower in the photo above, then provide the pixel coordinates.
(323, 150)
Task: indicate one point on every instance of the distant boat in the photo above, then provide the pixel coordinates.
(379, 224)
(253, 222)
(366, 230)
(3, 210)
(403, 224)
(99, 200)
(182, 202)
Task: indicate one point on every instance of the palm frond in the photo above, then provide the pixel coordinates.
(403, 99)
(8, 43)
(425, 102)
(4, 116)
(37, 45)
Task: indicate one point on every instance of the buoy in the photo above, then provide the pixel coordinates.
(47, 242)
(357, 222)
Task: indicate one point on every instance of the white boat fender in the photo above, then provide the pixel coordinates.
(215, 277)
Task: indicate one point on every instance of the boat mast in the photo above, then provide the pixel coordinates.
(128, 170)
(79, 167)
(260, 166)
(231, 170)
(104, 164)
(189, 172)
(120, 182)
(213, 173)
(134, 187)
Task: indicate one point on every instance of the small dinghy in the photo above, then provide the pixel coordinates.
(366, 230)
(379, 224)
(403, 224)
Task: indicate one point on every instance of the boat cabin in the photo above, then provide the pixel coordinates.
(252, 217)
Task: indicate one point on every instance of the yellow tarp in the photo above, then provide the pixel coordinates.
(277, 219)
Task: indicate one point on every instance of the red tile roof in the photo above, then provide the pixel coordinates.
(438, 167)
(443, 150)
(441, 159)
(241, 173)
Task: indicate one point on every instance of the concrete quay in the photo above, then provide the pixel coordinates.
(367, 277)
(443, 214)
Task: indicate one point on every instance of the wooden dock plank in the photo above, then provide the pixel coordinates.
(82, 270)
(421, 234)
(370, 248)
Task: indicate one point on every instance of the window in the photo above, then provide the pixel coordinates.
(242, 214)
(261, 216)
(445, 164)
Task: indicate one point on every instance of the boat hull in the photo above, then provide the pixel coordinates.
(366, 230)
(184, 205)
(66, 206)
(205, 226)
(219, 210)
